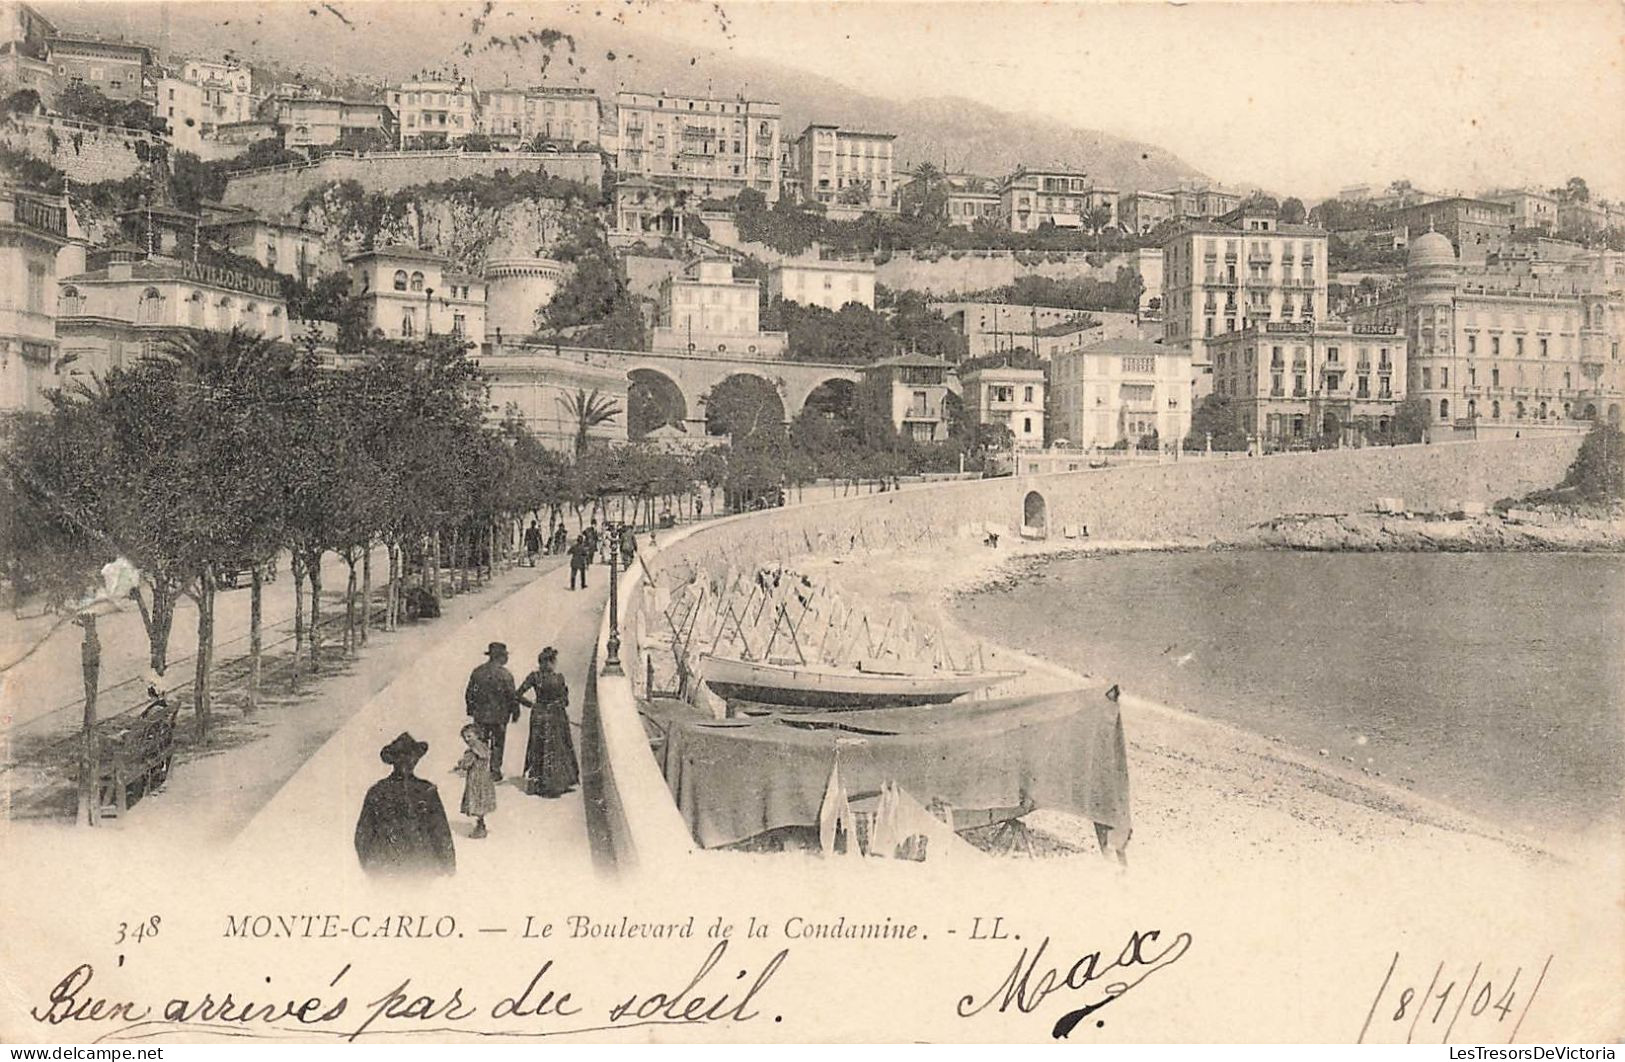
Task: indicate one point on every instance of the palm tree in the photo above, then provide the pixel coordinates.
(588, 410)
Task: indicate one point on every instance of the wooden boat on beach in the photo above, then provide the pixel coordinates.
(816, 686)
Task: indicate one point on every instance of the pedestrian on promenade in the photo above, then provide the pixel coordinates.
(533, 542)
(629, 547)
(580, 557)
(492, 703)
(591, 535)
(550, 756)
(403, 829)
(479, 791)
(699, 507)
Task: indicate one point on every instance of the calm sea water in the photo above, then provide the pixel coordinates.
(1494, 681)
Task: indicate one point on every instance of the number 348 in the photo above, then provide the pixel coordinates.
(137, 931)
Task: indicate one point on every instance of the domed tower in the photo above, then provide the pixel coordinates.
(1431, 275)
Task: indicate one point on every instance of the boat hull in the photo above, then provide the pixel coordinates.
(827, 689)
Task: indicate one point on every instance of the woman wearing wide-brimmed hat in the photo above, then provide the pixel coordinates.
(403, 828)
(550, 756)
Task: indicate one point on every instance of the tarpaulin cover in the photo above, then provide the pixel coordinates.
(736, 778)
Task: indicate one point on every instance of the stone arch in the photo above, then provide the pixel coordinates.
(1613, 413)
(1035, 515)
(831, 395)
(803, 385)
(654, 399)
(753, 403)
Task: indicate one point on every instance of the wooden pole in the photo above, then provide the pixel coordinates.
(90, 661)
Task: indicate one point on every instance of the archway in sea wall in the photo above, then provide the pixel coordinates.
(1034, 516)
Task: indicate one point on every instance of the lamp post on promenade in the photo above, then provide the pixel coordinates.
(612, 654)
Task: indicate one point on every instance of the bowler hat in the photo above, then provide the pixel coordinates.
(497, 649)
(404, 749)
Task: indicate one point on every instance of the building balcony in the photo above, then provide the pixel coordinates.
(1307, 285)
(1298, 392)
(1362, 366)
(1260, 259)
(1277, 392)
(1221, 282)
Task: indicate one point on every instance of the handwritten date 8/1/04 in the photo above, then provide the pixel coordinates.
(1433, 1003)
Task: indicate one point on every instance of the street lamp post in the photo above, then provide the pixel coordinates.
(612, 654)
(428, 311)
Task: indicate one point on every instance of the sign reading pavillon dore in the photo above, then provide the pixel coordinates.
(897, 565)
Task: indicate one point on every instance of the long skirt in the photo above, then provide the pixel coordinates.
(550, 757)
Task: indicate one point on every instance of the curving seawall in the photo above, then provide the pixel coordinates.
(636, 818)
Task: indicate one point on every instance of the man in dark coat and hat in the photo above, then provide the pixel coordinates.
(492, 702)
(403, 829)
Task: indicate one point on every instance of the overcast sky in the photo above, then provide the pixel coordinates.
(1304, 98)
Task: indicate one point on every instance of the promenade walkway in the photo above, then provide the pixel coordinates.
(532, 839)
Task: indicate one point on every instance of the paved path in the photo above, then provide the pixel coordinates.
(532, 840)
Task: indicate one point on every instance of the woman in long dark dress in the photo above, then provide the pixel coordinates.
(550, 756)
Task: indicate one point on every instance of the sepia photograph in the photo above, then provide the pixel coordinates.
(895, 521)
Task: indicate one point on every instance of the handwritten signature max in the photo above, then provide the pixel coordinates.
(545, 1008)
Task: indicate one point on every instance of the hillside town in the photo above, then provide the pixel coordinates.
(653, 248)
(1009, 509)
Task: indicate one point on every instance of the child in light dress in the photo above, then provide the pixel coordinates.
(479, 791)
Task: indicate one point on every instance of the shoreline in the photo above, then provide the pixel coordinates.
(1267, 798)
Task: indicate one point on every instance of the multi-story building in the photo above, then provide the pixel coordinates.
(1474, 226)
(435, 108)
(1012, 397)
(1143, 211)
(708, 309)
(714, 148)
(1293, 382)
(108, 317)
(914, 390)
(1586, 218)
(847, 170)
(1530, 209)
(228, 90)
(1121, 390)
(830, 283)
(1246, 268)
(1000, 327)
(410, 293)
(33, 229)
(285, 247)
(314, 122)
(520, 117)
(181, 105)
(1201, 204)
(964, 207)
(120, 70)
(1505, 350)
(1067, 200)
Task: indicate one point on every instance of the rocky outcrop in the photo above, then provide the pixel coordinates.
(457, 226)
(1524, 531)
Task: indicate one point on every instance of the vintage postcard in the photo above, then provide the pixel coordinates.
(812, 522)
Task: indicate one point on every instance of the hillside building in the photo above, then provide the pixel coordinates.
(33, 230)
(1246, 268)
(1121, 390)
(1505, 350)
(410, 293)
(435, 109)
(1007, 396)
(1295, 382)
(711, 148)
(826, 282)
(918, 393)
(707, 309)
(849, 171)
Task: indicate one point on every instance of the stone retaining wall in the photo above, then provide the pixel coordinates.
(1196, 501)
(86, 153)
(282, 188)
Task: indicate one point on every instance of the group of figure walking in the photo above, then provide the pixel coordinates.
(536, 544)
(403, 828)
